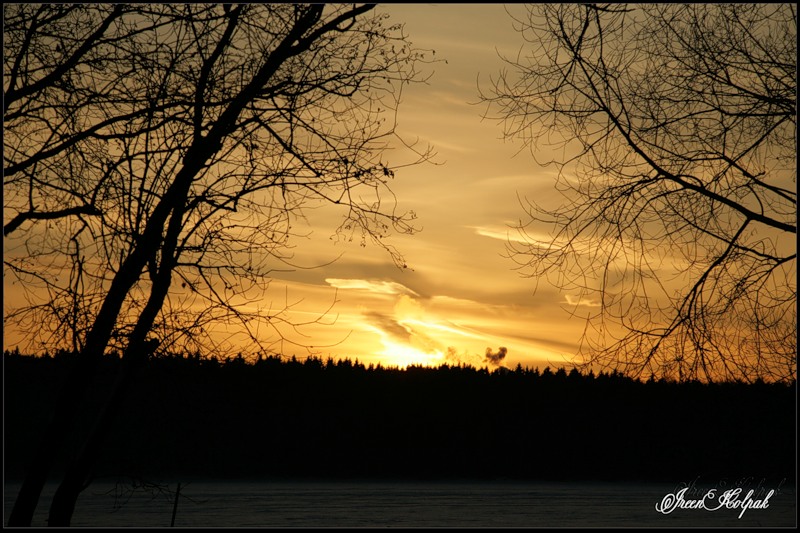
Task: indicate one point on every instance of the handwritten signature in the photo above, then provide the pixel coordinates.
(712, 501)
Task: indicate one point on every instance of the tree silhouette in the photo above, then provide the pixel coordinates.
(673, 128)
(193, 418)
(151, 144)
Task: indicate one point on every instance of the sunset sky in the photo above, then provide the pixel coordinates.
(459, 295)
(461, 298)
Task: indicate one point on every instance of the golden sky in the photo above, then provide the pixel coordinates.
(459, 295)
(460, 300)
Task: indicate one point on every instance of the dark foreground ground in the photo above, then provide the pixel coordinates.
(188, 418)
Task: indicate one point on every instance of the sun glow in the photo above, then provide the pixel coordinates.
(403, 355)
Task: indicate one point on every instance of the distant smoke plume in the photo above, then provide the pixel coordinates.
(496, 358)
(452, 355)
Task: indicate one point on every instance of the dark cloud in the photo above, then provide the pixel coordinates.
(402, 333)
(389, 325)
(496, 358)
(473, 359)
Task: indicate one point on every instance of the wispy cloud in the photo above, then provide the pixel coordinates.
(402, 332)
(504, 234)
(574, 302)
(448, 146)
(374, 286)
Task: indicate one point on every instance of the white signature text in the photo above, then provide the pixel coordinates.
(713, 500)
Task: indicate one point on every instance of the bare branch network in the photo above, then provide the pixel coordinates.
(674, 129)
(232, 122)
(156, 159)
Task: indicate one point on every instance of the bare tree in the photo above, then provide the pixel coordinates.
(151, 143)
(674, 129)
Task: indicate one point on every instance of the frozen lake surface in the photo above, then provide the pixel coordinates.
(285, 504)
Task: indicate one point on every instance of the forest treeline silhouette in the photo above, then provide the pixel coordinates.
(195, 417)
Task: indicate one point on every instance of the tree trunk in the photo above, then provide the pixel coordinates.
(149, 243)
(84, 370)
(79, 472)
(69, 399)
